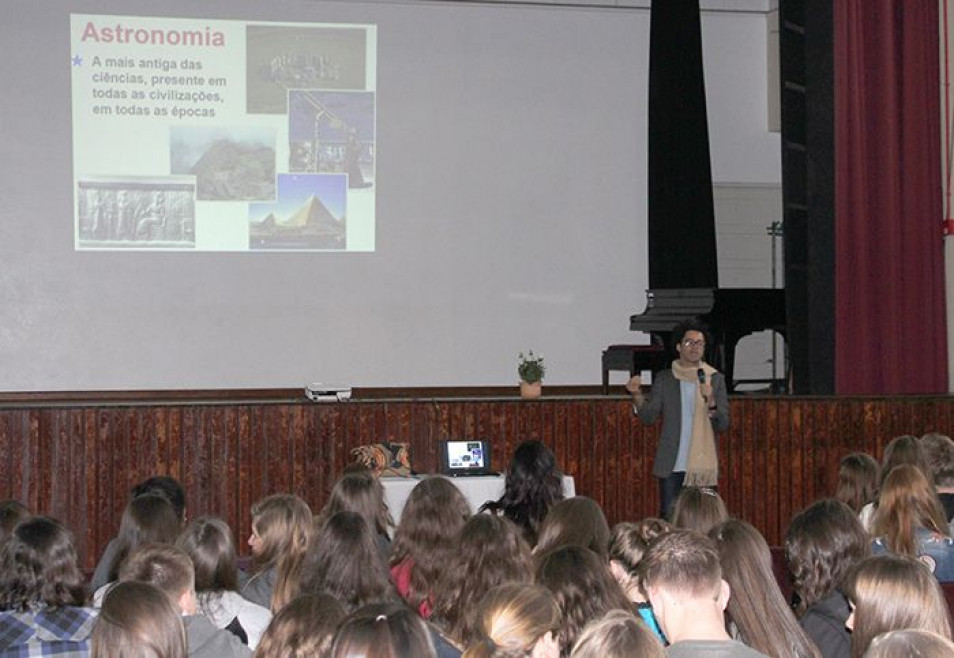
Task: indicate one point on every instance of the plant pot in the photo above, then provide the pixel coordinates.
(531, 390)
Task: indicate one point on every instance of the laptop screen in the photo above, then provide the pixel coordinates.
(465, 457)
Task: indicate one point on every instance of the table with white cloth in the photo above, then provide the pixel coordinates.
(477, 489)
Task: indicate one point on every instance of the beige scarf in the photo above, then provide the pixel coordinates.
(702, 466)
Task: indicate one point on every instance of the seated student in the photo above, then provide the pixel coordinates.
(683, 579)
(905, 449)
(161, 485)
(148, 519)
(138, 620)
(618, 634)
(42, 598)
(699, 509)
(383, 630)
(628, 543)
(910, 521)
(304, 628)
(823, 544)
(577, 521)
(857, 481)
(361, 492)
(924, 644)
(893, 592)
(209, 544)
(170, 569)
(282, 526)
(939, 454)
(11, 513)
(516, 620)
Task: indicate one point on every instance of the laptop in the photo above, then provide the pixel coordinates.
(465, 458)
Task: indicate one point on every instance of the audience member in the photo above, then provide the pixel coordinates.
(583, 587)
(534, 484)
(857, 481)
(628, 544)
(901, 450)
(160, 485)
(433, 516)
(617, 635)
(924, 644)
(910, 521)
(698, 509)
(304, 628)
(893, 592)
(939, 453)
(577, 521)
(42, 598)
(343, 561)
(170, 569)
(517, 620)
(757, 612)
(683, 579)
(823, 543)
(383, 630)
(362, 493)
(281, 530)
(209, 543)
(11, 513)
(490, 551)
(138, 620)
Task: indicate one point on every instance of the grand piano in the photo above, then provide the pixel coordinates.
(729, 313)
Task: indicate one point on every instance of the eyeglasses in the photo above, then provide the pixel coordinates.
(693, 343)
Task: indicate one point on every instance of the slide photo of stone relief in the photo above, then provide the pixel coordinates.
(332, 132)
(280, 58)
(310, 214)
(229, 163)
(136, 213)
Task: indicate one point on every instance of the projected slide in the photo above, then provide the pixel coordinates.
(214, 135)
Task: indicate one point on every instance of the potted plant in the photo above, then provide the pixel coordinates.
(531, 370)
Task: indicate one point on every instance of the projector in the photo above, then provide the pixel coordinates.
(327, 393)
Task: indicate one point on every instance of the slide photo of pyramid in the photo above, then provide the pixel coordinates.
(309, 214)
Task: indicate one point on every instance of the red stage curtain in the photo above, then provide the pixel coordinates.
(889, 271)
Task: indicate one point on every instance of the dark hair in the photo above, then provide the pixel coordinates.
(938, 451)
(166, 486)
(148, 519)
(583, 587)
(490, 552)
(38, 567)
(699, 509)
(11, 513)
(360, 492)
(577, 521)
(904, 449)
(682, 561)
(757, 606)
(434, 513)
(534, 483)
(387, 630)
(138, 620)
(680, 330)
(343, 561)
(857, 480)
(822, 545)
(305, 628)
(209, 544)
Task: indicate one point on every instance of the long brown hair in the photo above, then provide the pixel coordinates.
(38, 567)
(361, 492)
(284, 523)
(305, 628)
(208, 541)
(904, 449)
(148, 519)
(908, 502)
(490, 551)
(383, 630)
(434, 513)
(756, 605)
(699, 509)
(343, 561)
(892, 592)
(138, 620)
(577, 521)
(857, 480)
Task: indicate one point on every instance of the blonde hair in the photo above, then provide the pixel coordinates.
(617, 635)
(894, 592)
(138, 620)
(512, 618)
(908, 502)
(910, 642)
(285, 524)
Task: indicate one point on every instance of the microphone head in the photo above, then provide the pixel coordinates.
(702, 375)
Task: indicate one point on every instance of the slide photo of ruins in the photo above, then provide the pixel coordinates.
(280, 58)
(332, 132)
(135, 213)
(309, 214)
(229, 163)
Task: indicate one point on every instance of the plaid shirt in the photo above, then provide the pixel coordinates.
(62, 632)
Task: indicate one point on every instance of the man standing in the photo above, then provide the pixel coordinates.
(691, 396)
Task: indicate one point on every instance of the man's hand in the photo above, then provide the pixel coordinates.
(706, 390)
(635, 388)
